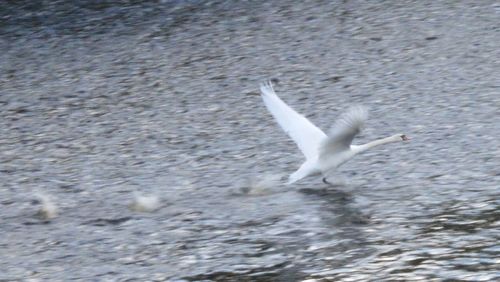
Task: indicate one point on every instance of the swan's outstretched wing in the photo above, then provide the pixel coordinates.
(305, 134)
(343, 131)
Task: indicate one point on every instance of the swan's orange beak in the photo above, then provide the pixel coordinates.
(405, 138)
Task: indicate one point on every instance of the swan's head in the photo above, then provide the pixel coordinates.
(400, 137)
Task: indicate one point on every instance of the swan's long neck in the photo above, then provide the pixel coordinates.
(364, 147)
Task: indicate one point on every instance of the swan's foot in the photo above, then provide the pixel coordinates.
(334, 184)
(326, 182)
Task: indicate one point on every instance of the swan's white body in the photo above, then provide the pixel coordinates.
(323, 153)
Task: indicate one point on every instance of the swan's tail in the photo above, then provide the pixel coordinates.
(305, 170)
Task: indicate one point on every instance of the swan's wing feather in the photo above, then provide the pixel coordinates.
(305, 134)
(344, 130)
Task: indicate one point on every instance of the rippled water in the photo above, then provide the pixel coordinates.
(333, 235)
(159, 97)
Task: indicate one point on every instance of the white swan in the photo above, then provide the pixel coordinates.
(323, 153)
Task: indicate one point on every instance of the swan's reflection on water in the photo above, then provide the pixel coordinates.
(309, 230)
(337, 209)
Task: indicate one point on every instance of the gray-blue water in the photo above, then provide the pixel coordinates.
(101, 100)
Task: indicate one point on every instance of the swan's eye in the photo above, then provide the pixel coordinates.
(404, 138)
